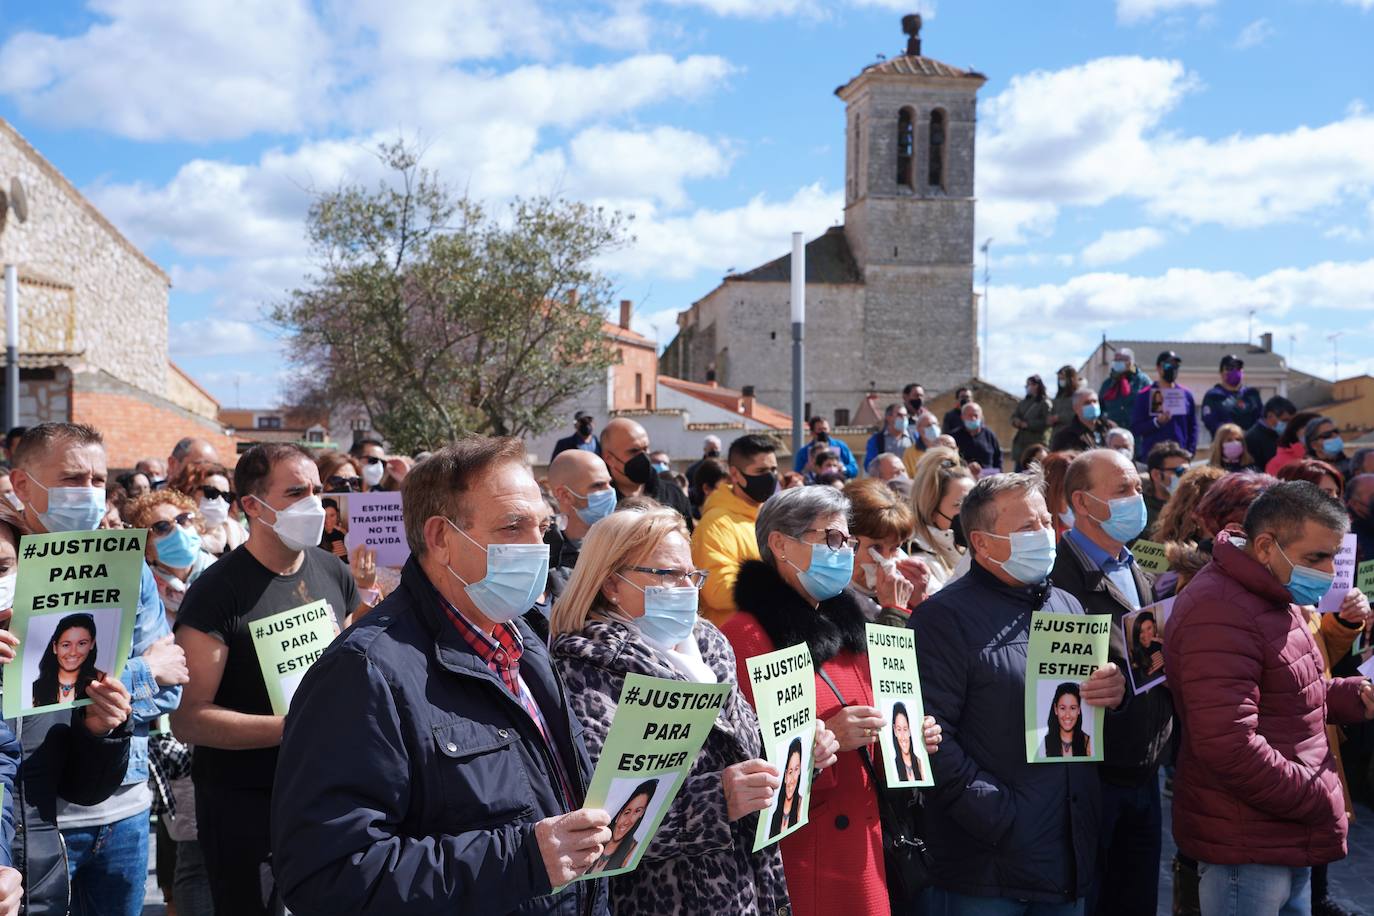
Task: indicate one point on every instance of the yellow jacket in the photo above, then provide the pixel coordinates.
(724, 538)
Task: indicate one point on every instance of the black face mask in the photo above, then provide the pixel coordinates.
(957, 526)
(640, 469)
(759, 487)
(914, 405)
(1169, 373)
(713, 453)
(964, 399)
(822, 437)
(584, 428)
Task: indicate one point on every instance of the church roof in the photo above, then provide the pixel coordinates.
(828, 260)
(1204, 354)
(913, 65)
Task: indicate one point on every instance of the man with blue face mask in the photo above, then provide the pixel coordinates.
(431, 763)
(1024, 834)
(581, 485)
(977, 444)
(1257, 796)
(226, 712)
(60, 474)
(1089, 427)
(1094, 565)
(893, 438)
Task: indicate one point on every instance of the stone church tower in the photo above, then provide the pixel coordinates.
(890, 294)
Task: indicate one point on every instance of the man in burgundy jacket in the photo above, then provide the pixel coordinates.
(1257, 800)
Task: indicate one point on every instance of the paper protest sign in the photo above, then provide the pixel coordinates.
(1364, 577)
(374, 520)
(1150, 557)
(1143, 631)
(1064, 651)
(784, 685)
(1175, 402)
(658, 729)
(988, 472)
(74, 606)
(287, 645)
(1330, 603)
(897, 692)
(1367, 669)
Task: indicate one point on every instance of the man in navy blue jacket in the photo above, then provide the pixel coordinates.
(1000, 827)
(430, 763)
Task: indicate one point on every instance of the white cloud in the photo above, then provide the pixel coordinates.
(1134, 11)
(1119, 245)
(761, 9)
(209, 337)
(625, 164)
(1255, 34)
(213, 70)
(1362, 4)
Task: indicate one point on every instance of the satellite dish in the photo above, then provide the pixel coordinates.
(19, 200)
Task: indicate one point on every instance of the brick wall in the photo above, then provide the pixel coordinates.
(138, 425)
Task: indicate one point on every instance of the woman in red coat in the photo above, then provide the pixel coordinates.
(798, 593)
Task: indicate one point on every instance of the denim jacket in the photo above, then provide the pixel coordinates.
(150, 699)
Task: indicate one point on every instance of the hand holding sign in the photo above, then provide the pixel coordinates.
(110, 705)
(932, 733)
(1105, 688)
(1355, 607)
(11, 891)
(571, 842)
(826, 748)
(856, 726)
(749, 787)
(364, 567)
(8, 643)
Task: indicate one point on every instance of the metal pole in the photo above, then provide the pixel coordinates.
(987, 311)
(11, 412)
(798, 347)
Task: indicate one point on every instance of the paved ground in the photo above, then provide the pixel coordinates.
(1352, 880)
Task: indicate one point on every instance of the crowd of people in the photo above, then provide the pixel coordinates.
(437, 757)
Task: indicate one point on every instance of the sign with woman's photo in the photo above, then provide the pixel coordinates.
(658, 730)
(1064, 651)
(75, 600)
(1143, 631)
(897, 692)
(784, 685)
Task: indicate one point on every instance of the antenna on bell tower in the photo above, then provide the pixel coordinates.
(911, 28)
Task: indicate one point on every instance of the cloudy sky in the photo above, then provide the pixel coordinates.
(1151, 169)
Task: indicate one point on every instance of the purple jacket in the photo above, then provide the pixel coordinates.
(1182, 430)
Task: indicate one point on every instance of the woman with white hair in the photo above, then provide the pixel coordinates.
(798, 592)
(631, 607)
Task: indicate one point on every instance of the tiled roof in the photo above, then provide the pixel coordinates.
(828, 260)
(728, 399)
(1201, 354)
(912, 65)
(625, 335)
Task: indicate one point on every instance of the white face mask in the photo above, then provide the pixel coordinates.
(373, 472)
(214, 511)
(299, 525)
(15, 502)
(7, 591)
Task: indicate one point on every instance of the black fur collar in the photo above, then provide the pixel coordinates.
(788, 619)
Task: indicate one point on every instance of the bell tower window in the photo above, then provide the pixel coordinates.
(935, 177)
(906, 148)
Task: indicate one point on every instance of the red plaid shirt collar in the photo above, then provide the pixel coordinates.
(500, 651)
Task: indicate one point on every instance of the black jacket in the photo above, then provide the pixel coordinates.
(997, 825)
(1077, 437)
(981, 447)
(410, 779)
(667, 494)
(1141, 736)
(60, 758)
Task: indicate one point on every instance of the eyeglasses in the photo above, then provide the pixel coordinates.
(1178, 471)
(339, 484)
(835, 539)
(214, 493)
(373, 459)
(1326, 435)
(164, 528)
(673, 577)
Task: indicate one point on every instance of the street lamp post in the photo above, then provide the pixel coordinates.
(798, 347)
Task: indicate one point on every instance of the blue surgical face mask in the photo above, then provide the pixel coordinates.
(669, 613)
(1127, 519)
(1174, 481)
(1305, 584)
(178, 548)
(1032, 555)
(516, 575)
(829, 572)
(931, 433)
(973, 425)
(1091, 412)
(1280, 426)
(600, 503)
(72, 508)
(1118, 366)
(899, 424)
(659, 467)
(1333, 446)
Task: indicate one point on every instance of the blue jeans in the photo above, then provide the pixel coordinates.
(1254, 890)
(108, 866)
(947, 903)
(1128, 851)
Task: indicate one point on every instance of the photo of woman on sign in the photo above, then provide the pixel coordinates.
(1065, 736)
(68, 665)
(788, 811)
(624, 826)
(1147, 649)
(906, 764)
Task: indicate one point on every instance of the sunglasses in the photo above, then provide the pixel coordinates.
(339, 484)
(164, 528)
(373, 459)
(214, 493)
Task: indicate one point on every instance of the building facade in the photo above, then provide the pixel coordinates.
(889, 295)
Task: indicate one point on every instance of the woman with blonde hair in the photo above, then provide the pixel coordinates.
(1229, 451)
(892, 582)
(631, 607)
(937, 493)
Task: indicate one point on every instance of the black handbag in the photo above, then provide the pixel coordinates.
(905, 856)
